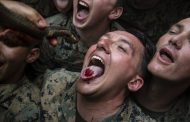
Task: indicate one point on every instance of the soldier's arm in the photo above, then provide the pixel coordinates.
(29, 13)
(26, 11)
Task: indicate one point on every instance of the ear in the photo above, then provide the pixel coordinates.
(116, 13)
(33, 55)
(135, 84)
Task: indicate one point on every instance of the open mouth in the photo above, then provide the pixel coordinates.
(83, 10)
(95, 68)
(166, 55)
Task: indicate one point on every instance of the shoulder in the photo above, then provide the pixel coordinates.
(22, 104)
(60, 19)
(56, 81)
(60, 75)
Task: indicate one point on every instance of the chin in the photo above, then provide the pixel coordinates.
(85, 89)
(79, 25)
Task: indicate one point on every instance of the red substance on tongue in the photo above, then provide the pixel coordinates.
(88, 72)
(91, 72)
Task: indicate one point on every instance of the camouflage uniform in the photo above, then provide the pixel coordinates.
(128, 112)
(68, 112)
(54, 83)
(19, 102)
(157, 20)
(62, 105)
(176, 114)
(66, 55)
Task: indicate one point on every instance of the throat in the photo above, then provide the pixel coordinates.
(158, 97)
(92, 110)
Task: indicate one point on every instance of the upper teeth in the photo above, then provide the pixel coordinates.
(83, 3)
(98, 58)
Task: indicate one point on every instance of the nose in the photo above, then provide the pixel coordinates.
(104, 45)
(177, 41)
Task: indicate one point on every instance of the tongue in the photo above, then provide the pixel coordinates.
(82, 14)
(91, 72)
(166, 58)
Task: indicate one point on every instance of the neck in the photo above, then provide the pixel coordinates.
(14, 79)
(159, 95)
(97, 110)
(91, 36)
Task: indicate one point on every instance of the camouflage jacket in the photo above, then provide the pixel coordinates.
(130, 111)
(66, 55)
(55, 82)
(175, 114)
(64, 109)
(19, 102)
(68, 112)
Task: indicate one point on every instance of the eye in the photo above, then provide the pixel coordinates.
(121, 48)
(173, 30)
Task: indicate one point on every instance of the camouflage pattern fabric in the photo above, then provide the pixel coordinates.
(177, 113)
(66, 111)
(62, 107)
(19, 102)
(55, 83)
(64, 54)
(129, 111)
(157, 20)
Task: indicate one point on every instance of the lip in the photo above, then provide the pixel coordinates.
(167, 55)
(77, 15)
(95, 80)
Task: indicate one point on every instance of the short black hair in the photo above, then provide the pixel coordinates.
(149, 50)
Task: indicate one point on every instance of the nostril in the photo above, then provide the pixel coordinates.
(104, 45)
(175, 43)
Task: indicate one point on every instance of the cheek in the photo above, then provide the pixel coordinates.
(123, 65)
(163, 40)
(15, 56)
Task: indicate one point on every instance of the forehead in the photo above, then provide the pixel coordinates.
(117, 35)
(185, 23)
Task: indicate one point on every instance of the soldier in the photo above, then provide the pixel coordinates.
(112, 67)
(20, 97)
(88, 25)
(25, 10)
(90, 20)
(165, 97)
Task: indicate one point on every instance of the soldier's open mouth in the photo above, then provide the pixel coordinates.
(95, 69)
(166, 55)
(83, 10)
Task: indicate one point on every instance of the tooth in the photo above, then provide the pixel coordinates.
(98, 58)
(83, 4)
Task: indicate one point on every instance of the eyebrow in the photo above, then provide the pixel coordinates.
(180, 26)
(127, 42)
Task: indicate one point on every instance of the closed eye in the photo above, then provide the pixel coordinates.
(122, 49)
